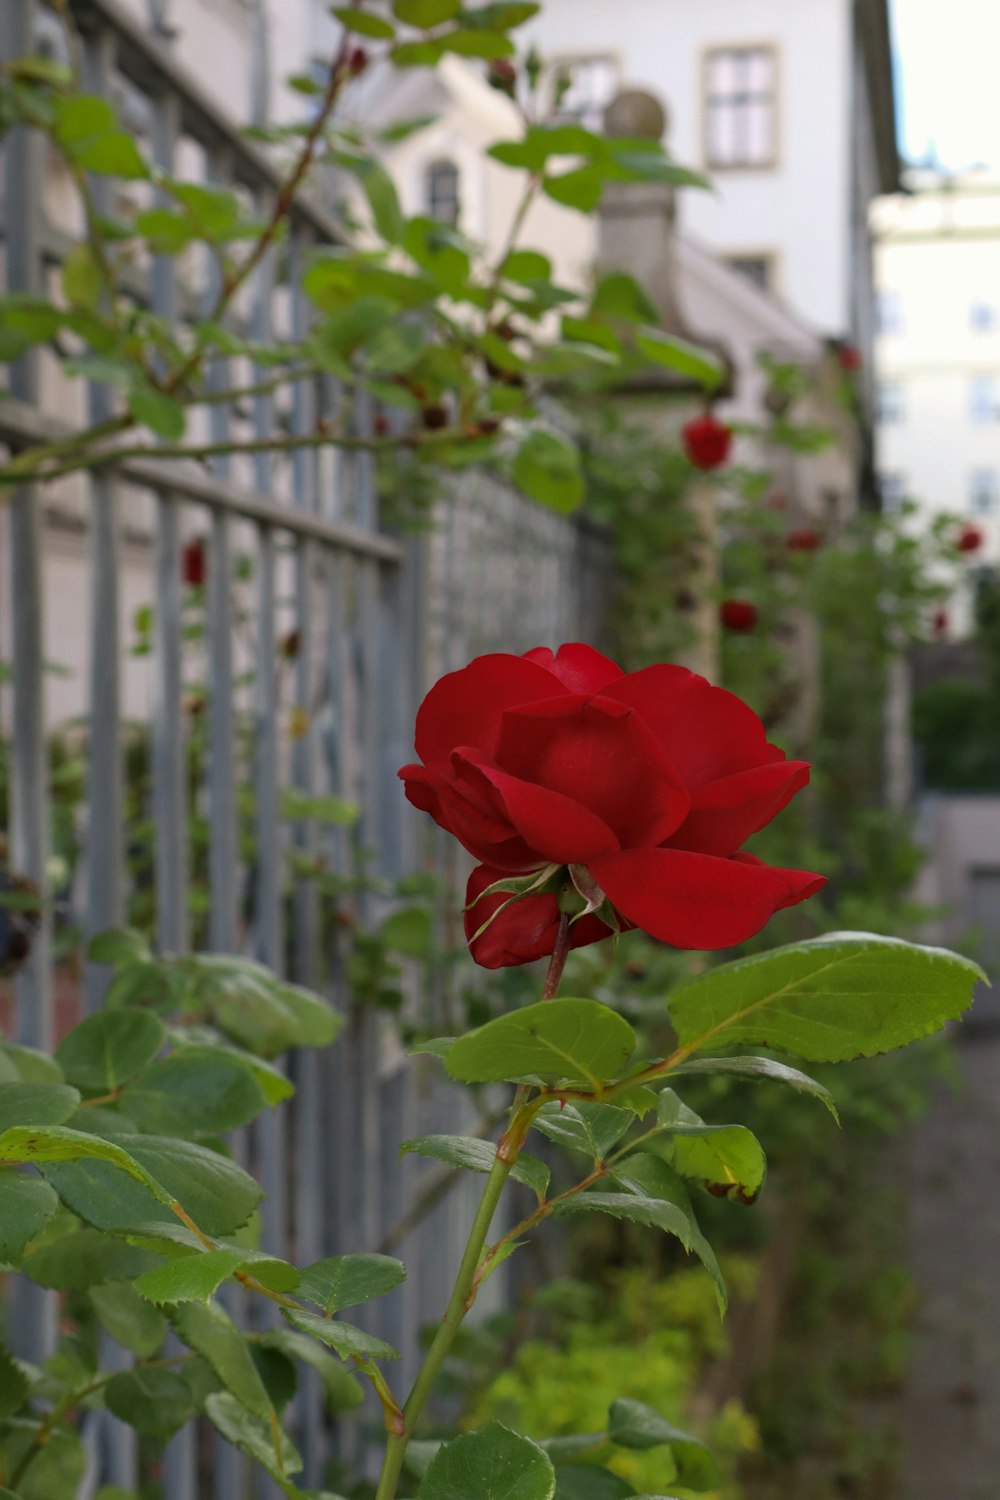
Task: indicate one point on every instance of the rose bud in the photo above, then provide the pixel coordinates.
(623, 797)
(357, 61)
(805, 539)
(706, 442)
(194, 565)
(489, 425)
(291, 644)
(381, 425)
(941, 622)
(849, 358)
(503, 76)
(738, 615)
(435, 416)
(969, 539)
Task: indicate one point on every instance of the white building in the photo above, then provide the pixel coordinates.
(938, 352)
(786, 105)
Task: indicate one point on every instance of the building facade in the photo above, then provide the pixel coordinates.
(938, 354)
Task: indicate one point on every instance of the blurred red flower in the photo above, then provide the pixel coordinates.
(969, 539)
(194, 563)
(849, 358)
(739, 615)
(805, 539)
(707, 441)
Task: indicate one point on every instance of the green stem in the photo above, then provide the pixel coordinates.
(458, 1306)
(469, 1277)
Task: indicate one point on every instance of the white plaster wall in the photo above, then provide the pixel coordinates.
(800, 209)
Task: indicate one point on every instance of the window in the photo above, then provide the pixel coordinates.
(983, 399)
(982, 316)
(441, 192)
(889, 404)
(893, 489)
(589, 85)
(758, 269)
(889, 311)
(741, 126)
(983, 492)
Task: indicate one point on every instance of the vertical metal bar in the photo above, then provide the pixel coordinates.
(32, 1311)
(169, 788)
(105, 851)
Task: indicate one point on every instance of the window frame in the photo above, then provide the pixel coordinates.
(890, 414)
(990, 490)
(709, 56)
(893, 489)
(770, 258)
(433, 165)
(979, 416)
(567, 62)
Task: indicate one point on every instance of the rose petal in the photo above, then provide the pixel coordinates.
(726, 812)
(556, 827)
(472, 819)
(526, 930)
(599, 753)
(698, 900)
(579, 668)
(466, 707)
(706, 732)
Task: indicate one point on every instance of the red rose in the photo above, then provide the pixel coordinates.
(803, 540)
(849, 358)
(637, 789)
(194, 567)
(706, 442)
(969, 539)
(739, 615)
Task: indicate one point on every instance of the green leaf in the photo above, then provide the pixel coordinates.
(547, 468)
(581, 189)
(129, 1320)
(726, 1159)
(425, 13)
(87, 1173)
(26, 1205)
(194, 1094)
(254, 1437)
(343, 1393)
(621, 296)
(344, 1337)
(380, 190)
(503, 15)
(121, 945)
(161, 414)
(31, 1065)
(36, 1104)
(155, 1401)
(410, 932)
(84, 1258)
(81, 116)
(107, 1049)
(493, 1464)
(364, 23)
(471, 42)
(827, 1000)
(245, 1001)
(327, 809)
(658, 1198)
(272, 1082)
(191, 1278)
(580, 1041)
(168, 232)
(114, 154)
(82, 278)
(14, 1386)
(682, 357)
(478, 1156)
(591, 1129)
(348, 1280)
(757, 1068)
(211, 1332)
(589, 1482)
(632, 1424)
(525, 267)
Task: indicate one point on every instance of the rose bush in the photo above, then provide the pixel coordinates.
(629, 795)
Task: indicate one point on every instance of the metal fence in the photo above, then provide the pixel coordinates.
(295, 554)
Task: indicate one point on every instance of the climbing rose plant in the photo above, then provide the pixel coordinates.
(627, 795)
(597, 799)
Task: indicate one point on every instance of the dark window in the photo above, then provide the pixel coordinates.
(442, 192)
(741, 107)
(759, 269)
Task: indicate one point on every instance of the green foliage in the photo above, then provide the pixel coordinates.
(496, 1464)
(580, 1041)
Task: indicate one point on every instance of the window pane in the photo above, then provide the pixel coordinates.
(760, 144)
(740, 107)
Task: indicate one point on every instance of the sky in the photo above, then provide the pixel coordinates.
(948, 80)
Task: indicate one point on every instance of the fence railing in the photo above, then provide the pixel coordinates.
(316, 635)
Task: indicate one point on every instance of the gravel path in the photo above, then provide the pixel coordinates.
(951, 1407)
